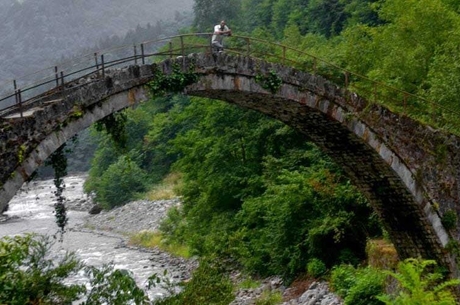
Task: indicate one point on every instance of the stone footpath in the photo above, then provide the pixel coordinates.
(146, 215)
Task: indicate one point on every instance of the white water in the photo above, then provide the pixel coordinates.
(31, 210)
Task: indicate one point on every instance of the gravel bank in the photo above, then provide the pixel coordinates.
(136, 216)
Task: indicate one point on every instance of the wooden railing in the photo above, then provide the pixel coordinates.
(31, 88)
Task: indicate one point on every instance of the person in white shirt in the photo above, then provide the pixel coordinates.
(220, 30)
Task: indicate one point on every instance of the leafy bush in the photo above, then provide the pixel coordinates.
(255, 190)
(449, 220)
(369, 283)
(316, 267)
(342, 279)
(357, 286)
(120, 183)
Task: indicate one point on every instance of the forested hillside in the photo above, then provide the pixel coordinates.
(37, 33)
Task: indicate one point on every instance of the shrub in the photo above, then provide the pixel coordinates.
(357, 286)
(342, 279)
(369, 283)
(316, 267)
(449, 220)
(120, 183)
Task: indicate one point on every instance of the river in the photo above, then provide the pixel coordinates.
(31, 211)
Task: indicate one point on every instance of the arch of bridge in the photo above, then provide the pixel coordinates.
(409, 172)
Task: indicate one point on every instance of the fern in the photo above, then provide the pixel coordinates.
(417, 286)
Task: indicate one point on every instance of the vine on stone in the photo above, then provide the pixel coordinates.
(174, 82)
(115, 126)
(269, 81)
(58, 161)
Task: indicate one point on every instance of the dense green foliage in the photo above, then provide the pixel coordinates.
(118, 184)
(408, 45)
(359, 286)
(255, 190)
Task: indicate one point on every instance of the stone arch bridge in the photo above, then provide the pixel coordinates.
(409, 172)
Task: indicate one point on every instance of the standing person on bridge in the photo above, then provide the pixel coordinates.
(220, 30)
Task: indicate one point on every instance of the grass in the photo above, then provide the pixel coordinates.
(248, 283)
(269, 298)
(167, 189)
(381, 254)
(150, 239)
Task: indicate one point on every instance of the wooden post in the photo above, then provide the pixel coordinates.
(102, 66)
(97, 63)
(56, 75)
(62, 80)
(142, 54)
(135, 54)
(15, 92)
(20, 102)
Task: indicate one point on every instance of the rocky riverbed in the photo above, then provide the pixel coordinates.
(95, 238)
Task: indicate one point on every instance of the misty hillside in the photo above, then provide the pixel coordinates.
(36, 33)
